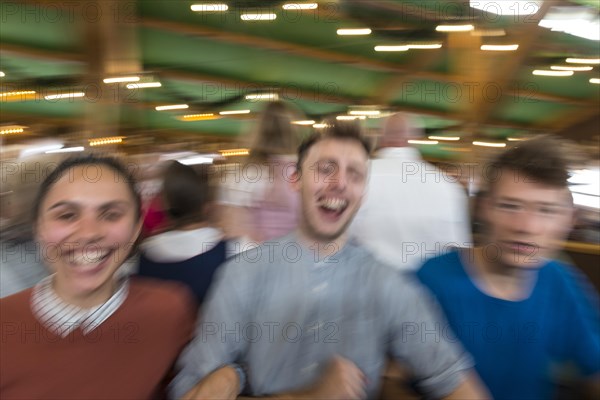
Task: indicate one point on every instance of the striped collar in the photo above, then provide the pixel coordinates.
(62, 318)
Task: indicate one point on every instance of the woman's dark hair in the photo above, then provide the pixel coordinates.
(187, 191)
(121, 173)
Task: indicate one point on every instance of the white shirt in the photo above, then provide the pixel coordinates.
(412, 210)
(62, 318)
(176, 246)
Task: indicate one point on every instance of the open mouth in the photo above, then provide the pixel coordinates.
(526, 248)
(332, 207)
(91, 261)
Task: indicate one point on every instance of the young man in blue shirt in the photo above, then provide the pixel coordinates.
(520, 313)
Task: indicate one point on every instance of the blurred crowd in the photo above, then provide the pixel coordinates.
(320, 265)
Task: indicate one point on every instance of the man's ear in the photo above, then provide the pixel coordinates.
(485, 207)
(295, 180)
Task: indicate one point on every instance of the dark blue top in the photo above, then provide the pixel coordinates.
(516, 344)
(196, 272)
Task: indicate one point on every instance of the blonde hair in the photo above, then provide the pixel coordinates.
(275, 134)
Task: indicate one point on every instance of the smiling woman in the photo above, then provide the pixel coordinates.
(83, 333)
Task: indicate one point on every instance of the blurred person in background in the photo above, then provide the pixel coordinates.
(412, 209)
(193, 249)
(20, 259)
(257, 201)
(82, 332)
(313, 314)
(520, 313)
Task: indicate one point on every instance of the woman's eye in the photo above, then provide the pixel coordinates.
(112, 216)
(66, 216)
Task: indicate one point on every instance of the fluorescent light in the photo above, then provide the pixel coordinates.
(583, 60)
(306, 122)
(258, 17)
(172, 107)
(198, 117)
(426, 142)
(300, 6)
(503, 47)
(234, 112)
(585, 187)
(545, 72)
(454, 28)
(30, 151)
(515, 139)
(64, 96)
(18, 93)
(319, 126)
(488, 32)
(568, 68)
(106, 140)
(507, 8)
(209, 7)
(66, 150)
(349, 117)
(262, 96)
(586, 200)
(448, 138)
(391, 48)
(353, 31)
(365, 112)
(10, 129)
(489, 144)
(2, 74)
(424, 46)
(234, 152)
(595, 80)
(577, 21)
(143, 85)
(122, 79)
(196, 160)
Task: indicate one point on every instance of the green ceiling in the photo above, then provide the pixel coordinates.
(210, 61)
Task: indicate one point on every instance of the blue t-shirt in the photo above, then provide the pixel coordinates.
(517, 344)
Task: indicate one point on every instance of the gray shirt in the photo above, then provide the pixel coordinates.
(283, 312)
(21, 266)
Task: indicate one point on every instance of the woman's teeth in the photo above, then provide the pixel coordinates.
(86, 260)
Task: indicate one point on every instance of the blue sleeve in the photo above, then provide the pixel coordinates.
(421, 337)
(583, 321)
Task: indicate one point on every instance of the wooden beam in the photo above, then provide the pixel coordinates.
(6, 49)
(527, 33)
(567, 119)
(267, 44)
(238, 86)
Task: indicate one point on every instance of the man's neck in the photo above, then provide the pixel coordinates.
(499, 280)
(322, 248)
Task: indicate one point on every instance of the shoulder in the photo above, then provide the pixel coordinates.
(568, 279)
(160, 297)
(14, 304)
(440, 265)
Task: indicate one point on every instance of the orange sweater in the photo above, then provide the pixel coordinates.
(127, 357)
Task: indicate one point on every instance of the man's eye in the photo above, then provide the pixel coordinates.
(508, 206)
(356, 176)
(326, 168)
(548, 210)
